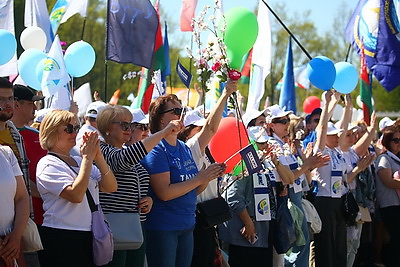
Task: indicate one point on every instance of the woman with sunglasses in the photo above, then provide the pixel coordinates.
(62, 181)
(175, 182)
(115, 125)
(140, 126)
(387, 183)
(279, 128)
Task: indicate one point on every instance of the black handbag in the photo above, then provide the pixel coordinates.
(350, 208)
(213, 212)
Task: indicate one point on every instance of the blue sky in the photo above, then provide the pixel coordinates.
(322, 14)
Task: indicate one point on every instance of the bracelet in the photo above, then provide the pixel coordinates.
(109, 169)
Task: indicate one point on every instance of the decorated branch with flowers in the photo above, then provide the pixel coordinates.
(217, 53)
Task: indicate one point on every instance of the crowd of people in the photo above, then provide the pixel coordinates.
(159, 166)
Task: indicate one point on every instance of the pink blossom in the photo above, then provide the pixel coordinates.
(216, 66)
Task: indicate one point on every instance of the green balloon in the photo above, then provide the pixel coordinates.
(240, 34)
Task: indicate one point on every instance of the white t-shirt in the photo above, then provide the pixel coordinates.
(323, 174)
(201, 160)
(8, 186)
(351, 159)
(53, 175)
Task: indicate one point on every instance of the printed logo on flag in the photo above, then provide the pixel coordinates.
(183, 74)
(253, 163)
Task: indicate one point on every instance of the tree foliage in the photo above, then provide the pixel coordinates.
(331, 44)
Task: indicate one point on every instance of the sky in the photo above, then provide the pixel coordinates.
(322, 14)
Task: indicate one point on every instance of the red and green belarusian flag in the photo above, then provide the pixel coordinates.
(145, 90)
(365, 89)
(246, 68)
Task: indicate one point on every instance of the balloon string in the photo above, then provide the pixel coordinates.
(288, 31)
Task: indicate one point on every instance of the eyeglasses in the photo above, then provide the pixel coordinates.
(396, 140)
(71, 129)
(177, 111)
(281, 121)
(4, 100)
(125, 126)
(141, 126)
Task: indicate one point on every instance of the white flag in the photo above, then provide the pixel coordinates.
(261, 59)
(36, 14)
(55, 75)
(7, 23)
(74, 7)
(83, 98)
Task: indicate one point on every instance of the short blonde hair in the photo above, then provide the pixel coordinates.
(49, 125)
(108, 114)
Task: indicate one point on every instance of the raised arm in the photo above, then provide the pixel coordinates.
(345, 120)
(322, 127)
(361, 147)
(213, 120)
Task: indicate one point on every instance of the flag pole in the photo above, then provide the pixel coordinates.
(83, 28)
(105, 80)
(288, 31)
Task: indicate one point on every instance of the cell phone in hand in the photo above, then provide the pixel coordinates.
(255, 239)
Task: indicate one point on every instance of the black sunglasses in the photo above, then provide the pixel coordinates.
(125, 126)
(396, 140)
(281, 121)
(177, 111)
(141, 126)
(71, 129)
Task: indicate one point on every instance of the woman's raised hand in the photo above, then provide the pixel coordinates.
(90, 145)
(213, 171)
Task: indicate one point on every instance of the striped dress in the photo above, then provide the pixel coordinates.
(132, 178)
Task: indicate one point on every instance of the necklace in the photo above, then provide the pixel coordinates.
(59, 154)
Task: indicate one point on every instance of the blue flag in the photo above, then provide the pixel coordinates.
(287, 98)
(167, 70)
(131, 32)
(184, 74)
(377, 26)
(250, 158)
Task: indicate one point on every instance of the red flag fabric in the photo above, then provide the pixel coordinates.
(365, 88)
(187, 14)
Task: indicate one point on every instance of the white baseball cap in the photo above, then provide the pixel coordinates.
(194, 117)
(332, 130)
(258, 134)
(385, 122)
(139, 116)
(39, 114)
(94, 108)
(251, 115)
(350, 127)
(276, 112)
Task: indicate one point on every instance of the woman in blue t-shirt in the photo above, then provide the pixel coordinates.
(175, 183)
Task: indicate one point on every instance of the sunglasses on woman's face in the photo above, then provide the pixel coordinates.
(177, 111)
(71, 129)
(396, 140)
(141, 126)
(281, 121)
(125, 126)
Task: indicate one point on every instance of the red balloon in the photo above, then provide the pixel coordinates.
(229, 139)
(311, 103)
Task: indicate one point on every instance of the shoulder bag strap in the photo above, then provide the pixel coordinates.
(92, 205)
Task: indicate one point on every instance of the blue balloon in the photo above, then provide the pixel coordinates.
(346, 78)
(8, 46)
(27, 64)
(39, 69)
(321, 72)
(79, 58)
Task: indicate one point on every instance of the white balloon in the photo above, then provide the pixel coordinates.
(337, 112)
(33, 37)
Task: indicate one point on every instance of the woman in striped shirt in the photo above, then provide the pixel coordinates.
(114, 123)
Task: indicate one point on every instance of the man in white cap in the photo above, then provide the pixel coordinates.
(90, 124)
